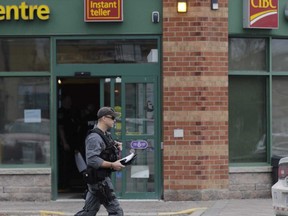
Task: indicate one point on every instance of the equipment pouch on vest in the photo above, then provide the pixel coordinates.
(110, 153)
(93, 176)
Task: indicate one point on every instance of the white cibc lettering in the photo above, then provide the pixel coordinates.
(24, 12)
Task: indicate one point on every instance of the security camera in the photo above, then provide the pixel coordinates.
(155, 17)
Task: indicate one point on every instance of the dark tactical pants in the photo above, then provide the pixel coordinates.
(93, 202)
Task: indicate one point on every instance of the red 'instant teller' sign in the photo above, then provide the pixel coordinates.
(103, 10)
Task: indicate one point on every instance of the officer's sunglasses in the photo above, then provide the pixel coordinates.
(111, 117)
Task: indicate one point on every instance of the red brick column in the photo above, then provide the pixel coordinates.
(195, 99)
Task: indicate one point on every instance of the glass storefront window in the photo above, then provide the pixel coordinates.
(24, 54)
(248, 54)
(247, 119)
(24, 120)
(280, 117)
(106, 51)
(279, 54)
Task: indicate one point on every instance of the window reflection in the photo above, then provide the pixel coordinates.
(24, 120)
(247, 54)
(106, 51)
(139, 109)
(279, 117)
(279, 55)
(247, 119)
(24, 54)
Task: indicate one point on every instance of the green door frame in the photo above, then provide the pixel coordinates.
(137, 73)
(156, 137)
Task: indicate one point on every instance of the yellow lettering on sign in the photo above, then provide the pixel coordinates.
(2, 12)
(101, 8)
(24, 11)
(9, 10)
(23, 8)
(263, 4)
(103, 4)
(43, 12)
(100, 12)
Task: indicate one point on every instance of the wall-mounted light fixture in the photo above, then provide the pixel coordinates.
(182, 6)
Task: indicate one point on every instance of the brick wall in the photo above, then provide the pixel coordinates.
(195, 99)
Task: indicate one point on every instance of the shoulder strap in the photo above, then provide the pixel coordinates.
(105, 138)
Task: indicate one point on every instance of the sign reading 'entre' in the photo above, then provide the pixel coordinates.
(24, 12)
(103, 10)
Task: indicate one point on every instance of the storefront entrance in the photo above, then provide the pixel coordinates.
(137, 128)
(123, 73)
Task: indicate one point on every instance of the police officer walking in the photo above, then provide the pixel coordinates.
(102, 158)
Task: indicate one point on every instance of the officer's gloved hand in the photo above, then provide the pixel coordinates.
(117, 165)
(119, 145)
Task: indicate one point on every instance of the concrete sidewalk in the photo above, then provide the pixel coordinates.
(254, 207)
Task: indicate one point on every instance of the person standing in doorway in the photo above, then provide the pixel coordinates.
(102, 158)
(67, 142)
(88, 119)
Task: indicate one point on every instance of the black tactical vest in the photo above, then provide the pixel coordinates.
(110, 153)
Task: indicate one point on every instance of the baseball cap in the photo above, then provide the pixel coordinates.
(107, 111)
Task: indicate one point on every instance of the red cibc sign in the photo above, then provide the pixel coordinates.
(103, 10)
(262, 14)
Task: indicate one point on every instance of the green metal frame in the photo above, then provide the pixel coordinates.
(268, 106)
(140, 73)
(156, 137)
(269, 74)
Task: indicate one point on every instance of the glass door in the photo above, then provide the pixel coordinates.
(137, 127)
(139, 130)
(123, 73)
